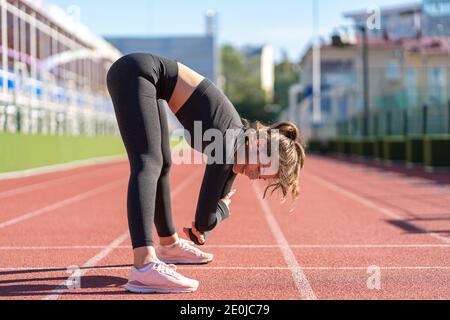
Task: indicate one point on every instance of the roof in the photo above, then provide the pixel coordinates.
(59, 17)
(425, 45)
(428, 45)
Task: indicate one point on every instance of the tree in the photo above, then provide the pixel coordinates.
(243, 86)
(286, 75)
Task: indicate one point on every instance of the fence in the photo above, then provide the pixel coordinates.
(405, 123)
(403, 101)
(415, 121)
(65, 121)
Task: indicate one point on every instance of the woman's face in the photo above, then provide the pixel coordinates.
(255, 171)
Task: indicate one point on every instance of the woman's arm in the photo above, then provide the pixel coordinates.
(214, 200)
(198, 237)
(217, 183)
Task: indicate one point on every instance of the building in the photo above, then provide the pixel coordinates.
(199, 52)
(262, 61)
(428, 18)
(52, 72)
(409, 67)
(399, 22)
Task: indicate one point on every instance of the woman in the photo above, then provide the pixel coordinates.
(135, 83)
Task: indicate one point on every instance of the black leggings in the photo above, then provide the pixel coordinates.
(136, 82)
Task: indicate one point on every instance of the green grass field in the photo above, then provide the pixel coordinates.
(21, 152)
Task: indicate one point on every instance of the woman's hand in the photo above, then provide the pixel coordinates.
(201, 239)
(200, 236)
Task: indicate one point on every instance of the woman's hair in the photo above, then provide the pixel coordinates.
(291, 152)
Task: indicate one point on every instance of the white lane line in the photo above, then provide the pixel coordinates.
(349, 246)
(61, 204)
(93, 268)
(301, 282)
(45, 248)
(333, 246)
(237, 268)
(418, 268)
(91, 263)
(61, 167)
(387, 212)
(49, 183)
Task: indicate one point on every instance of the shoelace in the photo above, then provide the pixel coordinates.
(168, 269)
(188, 246)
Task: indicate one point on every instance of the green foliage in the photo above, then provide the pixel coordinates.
(243, 86)
(286, 75)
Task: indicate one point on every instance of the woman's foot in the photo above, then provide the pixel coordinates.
(183, 252)
(159, 277)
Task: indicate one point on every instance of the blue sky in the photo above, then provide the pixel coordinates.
(285, 24)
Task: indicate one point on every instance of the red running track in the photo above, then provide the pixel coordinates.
(356, 223)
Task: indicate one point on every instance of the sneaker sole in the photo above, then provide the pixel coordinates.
(184, 262)
(142, 289)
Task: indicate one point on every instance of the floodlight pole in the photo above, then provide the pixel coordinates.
(365, 74)
(317, 72)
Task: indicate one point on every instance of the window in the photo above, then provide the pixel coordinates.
(393, 72)
(436, 85)
(411, 87)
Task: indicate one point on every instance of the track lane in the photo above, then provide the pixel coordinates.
(80, 222)
(22, 204)
(329, 218)
(42, 178)
(264, 270)
(333, 238)
(30, 186)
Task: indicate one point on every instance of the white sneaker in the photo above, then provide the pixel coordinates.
(183, 252)
(159, 277)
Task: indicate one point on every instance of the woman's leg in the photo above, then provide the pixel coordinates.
(135, 101)
(163, 215)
